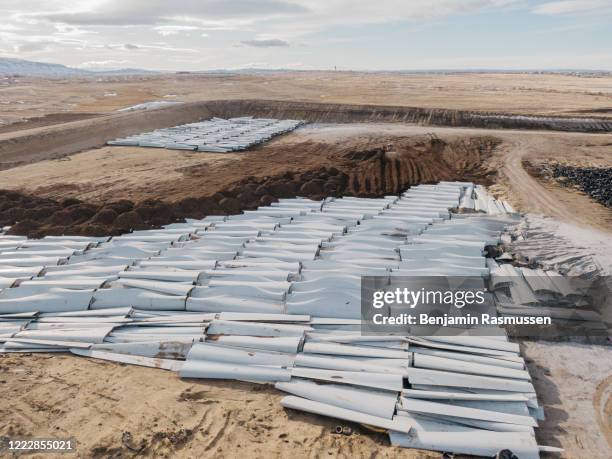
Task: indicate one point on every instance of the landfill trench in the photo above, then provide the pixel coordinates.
(371, 168)
(62, 139)
(273, 296)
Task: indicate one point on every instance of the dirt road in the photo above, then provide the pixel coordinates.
(533, 194)
(529, 194)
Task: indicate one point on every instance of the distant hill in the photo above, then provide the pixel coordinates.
(10, 66)
(125, 72)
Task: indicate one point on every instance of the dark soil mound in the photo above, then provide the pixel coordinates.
(128, 221)
(104, 217)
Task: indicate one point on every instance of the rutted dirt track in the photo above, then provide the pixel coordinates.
(46, 120)
(541, 200)
(531, 194)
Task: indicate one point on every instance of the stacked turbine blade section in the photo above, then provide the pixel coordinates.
(273, 296)
(523, 291)
(216, 135)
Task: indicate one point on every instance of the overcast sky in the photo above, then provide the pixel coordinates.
(310, 34)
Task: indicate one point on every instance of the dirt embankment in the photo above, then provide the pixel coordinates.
(55, 141)
(344, 113)
(58, 140)
(46, 120)
(381, 169)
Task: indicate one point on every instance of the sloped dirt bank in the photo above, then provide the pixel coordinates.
(343, 113)
(58, 140)
(382, 168)
(46, 120)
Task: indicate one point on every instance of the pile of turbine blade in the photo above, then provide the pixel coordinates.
(523, 291)
(215, 135)
(273, 295)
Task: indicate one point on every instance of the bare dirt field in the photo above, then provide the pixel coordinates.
(574, 383)
(527, 94)
(98, 402)
(58, 160)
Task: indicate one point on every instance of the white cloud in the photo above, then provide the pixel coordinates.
(265, 43)
(9, 27)
(292, 14)
(68, 30)
(167, 30)
(317, 33)
(37, 42)
(211, 25)
(573, 7)
(140, 12)
(142, 46)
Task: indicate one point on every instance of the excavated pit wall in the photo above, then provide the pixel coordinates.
(370, 172)
(348, 113)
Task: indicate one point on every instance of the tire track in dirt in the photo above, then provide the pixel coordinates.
(520, 151)
(602, 403)
(538, 198)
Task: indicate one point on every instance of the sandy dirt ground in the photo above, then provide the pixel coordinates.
(24, 98)
(574, 384)
(98, 402)
(123, 172)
